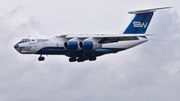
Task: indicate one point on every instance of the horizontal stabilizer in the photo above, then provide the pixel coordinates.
(147, 10)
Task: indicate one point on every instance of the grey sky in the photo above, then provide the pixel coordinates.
(149, 72)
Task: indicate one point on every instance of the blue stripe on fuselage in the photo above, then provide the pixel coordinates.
(76, 53)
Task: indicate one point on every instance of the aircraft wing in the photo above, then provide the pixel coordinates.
(107, 38)
(116, 39)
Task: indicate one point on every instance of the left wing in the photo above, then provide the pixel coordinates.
(104, 38)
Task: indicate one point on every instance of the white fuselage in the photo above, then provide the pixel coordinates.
(55, 46)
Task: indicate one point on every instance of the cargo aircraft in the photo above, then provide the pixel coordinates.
(82, 47)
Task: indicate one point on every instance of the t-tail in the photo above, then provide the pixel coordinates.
(141, 21)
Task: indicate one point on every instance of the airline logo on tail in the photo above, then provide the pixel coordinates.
(141, 21)
(139, 24)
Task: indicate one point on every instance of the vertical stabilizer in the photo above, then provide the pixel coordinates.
(141, 21)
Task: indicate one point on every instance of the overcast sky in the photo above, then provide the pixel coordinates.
(148, 72)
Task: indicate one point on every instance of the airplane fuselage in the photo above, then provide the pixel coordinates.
(56, 46)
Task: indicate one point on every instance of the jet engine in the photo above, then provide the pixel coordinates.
(72, 44)
(90, 44)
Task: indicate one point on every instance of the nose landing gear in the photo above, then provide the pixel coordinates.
(41, 58)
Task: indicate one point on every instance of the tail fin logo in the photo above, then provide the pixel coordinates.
(139, 24)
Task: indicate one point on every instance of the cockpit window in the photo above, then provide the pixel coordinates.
(33, 40)
(24, 40)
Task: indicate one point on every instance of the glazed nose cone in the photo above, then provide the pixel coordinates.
(16, 46)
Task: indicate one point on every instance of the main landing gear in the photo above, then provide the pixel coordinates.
(41, 58)
(81, 59)
(73, 59)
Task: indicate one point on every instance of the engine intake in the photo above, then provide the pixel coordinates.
(71, 45)
(89, 45)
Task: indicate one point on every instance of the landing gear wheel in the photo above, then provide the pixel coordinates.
(80, 59)
(72, 59)
(92, 58)
(41, 58)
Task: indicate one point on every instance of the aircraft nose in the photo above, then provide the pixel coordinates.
(16, 46)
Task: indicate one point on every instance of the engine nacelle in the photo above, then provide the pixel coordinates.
(89, 45)
(71, 45)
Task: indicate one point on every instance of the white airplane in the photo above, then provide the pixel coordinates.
(82, 47)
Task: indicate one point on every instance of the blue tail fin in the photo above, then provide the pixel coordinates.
(140, 23)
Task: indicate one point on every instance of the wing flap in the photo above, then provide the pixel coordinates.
(116, 39)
